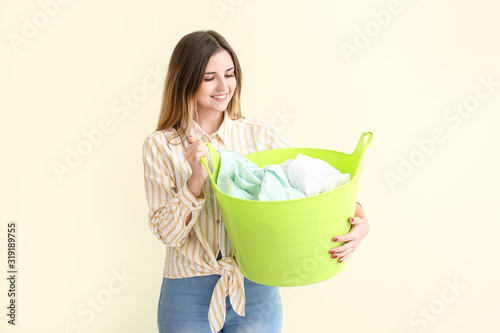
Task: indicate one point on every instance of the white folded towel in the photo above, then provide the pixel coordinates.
(312, 175)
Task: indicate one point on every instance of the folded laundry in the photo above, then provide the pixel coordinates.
(241, 178)
(295, 178)
(313, 175)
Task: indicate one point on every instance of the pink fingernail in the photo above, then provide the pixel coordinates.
(334, 256)
(340, 261)
(332, 251)
(335, 239)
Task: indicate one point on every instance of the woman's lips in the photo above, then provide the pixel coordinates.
(221, 99)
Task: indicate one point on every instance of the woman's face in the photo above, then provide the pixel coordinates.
(219, 82)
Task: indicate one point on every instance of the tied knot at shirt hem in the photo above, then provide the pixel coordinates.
(231, 282)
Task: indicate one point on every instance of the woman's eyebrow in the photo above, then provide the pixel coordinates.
(214, 72)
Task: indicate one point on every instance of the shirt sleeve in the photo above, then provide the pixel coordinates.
(168, 208)
(277, 139)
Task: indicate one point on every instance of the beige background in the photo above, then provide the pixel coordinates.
(435, 227)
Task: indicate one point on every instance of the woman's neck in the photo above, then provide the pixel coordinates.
(210, 122)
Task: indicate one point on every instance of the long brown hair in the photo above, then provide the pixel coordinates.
(185, 74)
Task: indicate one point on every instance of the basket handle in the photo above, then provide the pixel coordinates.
(362, 143)
(215, 157)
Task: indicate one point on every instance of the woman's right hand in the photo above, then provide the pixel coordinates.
(194, 152)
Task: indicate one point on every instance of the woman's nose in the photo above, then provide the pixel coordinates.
(222, 85)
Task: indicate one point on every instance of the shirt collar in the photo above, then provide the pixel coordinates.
(224, 131)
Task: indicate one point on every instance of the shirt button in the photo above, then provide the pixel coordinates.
(218, 221)
(193, 204)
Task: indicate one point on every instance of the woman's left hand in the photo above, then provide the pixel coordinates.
(359, 230)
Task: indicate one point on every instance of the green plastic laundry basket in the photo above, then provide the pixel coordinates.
(286, 243)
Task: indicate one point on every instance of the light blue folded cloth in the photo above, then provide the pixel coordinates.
(295, 178)
(241, 178)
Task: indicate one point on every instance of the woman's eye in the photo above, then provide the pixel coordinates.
(210, 79)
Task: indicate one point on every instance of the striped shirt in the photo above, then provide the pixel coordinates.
(191, 249)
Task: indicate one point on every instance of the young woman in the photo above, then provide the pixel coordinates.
(203, 290)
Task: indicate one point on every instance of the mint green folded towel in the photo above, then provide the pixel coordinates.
(241, 178)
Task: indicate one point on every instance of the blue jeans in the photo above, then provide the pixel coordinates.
(184, 303)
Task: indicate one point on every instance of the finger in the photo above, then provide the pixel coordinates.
(194, 160)
(195, 147)
(198, 155)
(341, 250)
(342, 255)
(355, 220)
(337, 249)
(202, 149)
(345, 256)
(198, 146)
(189, 146)
(344, 238)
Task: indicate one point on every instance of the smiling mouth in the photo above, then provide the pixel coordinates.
(222, 97)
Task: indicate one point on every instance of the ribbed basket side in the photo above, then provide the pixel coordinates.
(286, 243)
